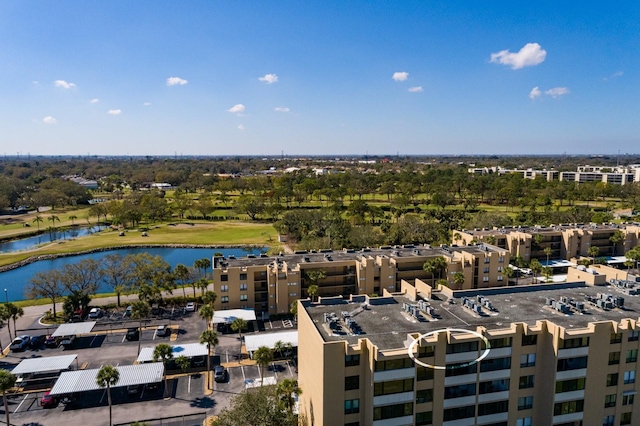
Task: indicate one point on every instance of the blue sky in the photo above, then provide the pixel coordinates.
(311, 77)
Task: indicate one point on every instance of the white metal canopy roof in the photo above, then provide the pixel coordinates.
(44, 364)
(254, 341)
(74, 329)
(85, 380)
(189, 350)
(227, 316)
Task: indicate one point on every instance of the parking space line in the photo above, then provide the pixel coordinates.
(21, 402)
(275, 370)
(189, 384)
(123, 338)
(243, 376)
(154, 334)
(290, 370)
(93, 340)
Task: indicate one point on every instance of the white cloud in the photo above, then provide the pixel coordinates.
(94, 101)
(49, 120)
(34, 82)
(63, 84)
(535, 93)
(146, 103)
(114, 111)
(237, 109)
(556, 92)
(614, 75)
(269, 78)
(240, 127)
(416, 89)
(176, 81)
(531, 54)
(400, 76)
(282, 109)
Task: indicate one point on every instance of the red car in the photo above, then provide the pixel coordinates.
(48, 401)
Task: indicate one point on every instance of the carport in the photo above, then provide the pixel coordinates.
(74, 329)
(254, 341)
(227, 316)
(189, 350)
(130, 375)
(40, 372)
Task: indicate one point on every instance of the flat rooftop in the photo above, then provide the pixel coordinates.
(387, 324)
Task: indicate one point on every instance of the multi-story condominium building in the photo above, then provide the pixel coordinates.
(614, 175)
(271, 284)
(554, 354)
(566, 241)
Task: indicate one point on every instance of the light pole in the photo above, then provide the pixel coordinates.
(6, 296)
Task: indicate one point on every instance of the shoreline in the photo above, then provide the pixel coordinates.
(36, 258)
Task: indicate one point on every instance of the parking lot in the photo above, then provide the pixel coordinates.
(107, 344)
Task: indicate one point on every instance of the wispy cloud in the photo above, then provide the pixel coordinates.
(400, 76)
(49, 120)
(114, 111)
(556, 92)
(64, 84)
(237, 109)
(94, 101)
(416, 89)
(146, 103)
(240, 127)
(176, 81)
(282, 109)
(535, 93)
(614, 75)
(269, 78)
(531, 54)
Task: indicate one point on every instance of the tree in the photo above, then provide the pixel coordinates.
(7, 381)
(547, 251)
(14, 312)
(433, 265)
(203, 264)
(47, 284)
(182, 276)
(458, 279)
(312, 291)
(117, 273)
(616, 239)
(510, 273)
(163, 353)
(53, 218)
(209, 338)
(238, 325)
(38, 220)
(108, 376)
(82, 278)
(293, 310)
(536, 268)
(184, 363)
(547, 272)
(151, 276)
(209, 298)
(315, 277)
(139, 311)
(286, 390)
(72, 217)
(263, 356)
(206, 313)
(257, 406)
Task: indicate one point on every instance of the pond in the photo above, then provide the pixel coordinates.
(47, 237)
(17, 280)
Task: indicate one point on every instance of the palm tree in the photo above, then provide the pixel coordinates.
(547, 251)
(315, 277)
(15, 312)
(238, 325)
(616, 239)
(209, 298)
(312, 291)
(203, 264)
(209, 338)
(108, 376)
(38, 220)
(457, 237)
(164, 353)
(436, 264)
(183, 362)
(279, 347)
(628, 263)
(206, 313)
(72, 217)
(593, 252)
(458, 279)
(263, 356)
(202, 284)
(7, 381)
(286, 389)
(536, 268)
(510, 273)
(139, 311)
(53, 218)
(182, 274)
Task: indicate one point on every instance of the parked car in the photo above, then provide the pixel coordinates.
(48, 401)
(127, 312)
(152, 387)
(220, 374)
(191, 306)
(36, 342)
(163, 330)
(20, 343)
(52, 342)
(95, 313)
(134, 389)
(198, 361)
(132, 334)
(67, 341)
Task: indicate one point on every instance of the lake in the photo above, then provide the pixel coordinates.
(17, 280)
(47, 237)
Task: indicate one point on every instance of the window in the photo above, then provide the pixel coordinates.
(487, 260)
(224, 299)
(460, 371)
(493, 408)
(568, 407)
(499, 277)
(628, 399)
(615, 338)
(499, 268)
(578, 342)
(526, 421)
(527, 360)
(424, 395)
(504, 342)
(501, 259)
(424, 418)
(610, 400)
(614, 358)
(632, 355)
(625, 419)
(457, 348)
(352, 406)
(293, 294)
(486, 269)
(570, 385)
(224, 288)
(244, 297)
(351, 383)
(529, 339)
(495, 364)
(493, 386)
(243, 277)
(224, 277)
(629, 377)
(392, 411)
(393, 364)
(391, 387)
(633, 335)
(572, 363)
(424, 373)
(243, 287)
(608, 421)
(459, 413)
(526, 382)
(425, 351)
(485, 279)
(525, 402)
(459, 391)
(351, 360)
(612, 379)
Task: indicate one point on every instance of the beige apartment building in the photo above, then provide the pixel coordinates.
(554, 354)
(565, 241)
(271, 284)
